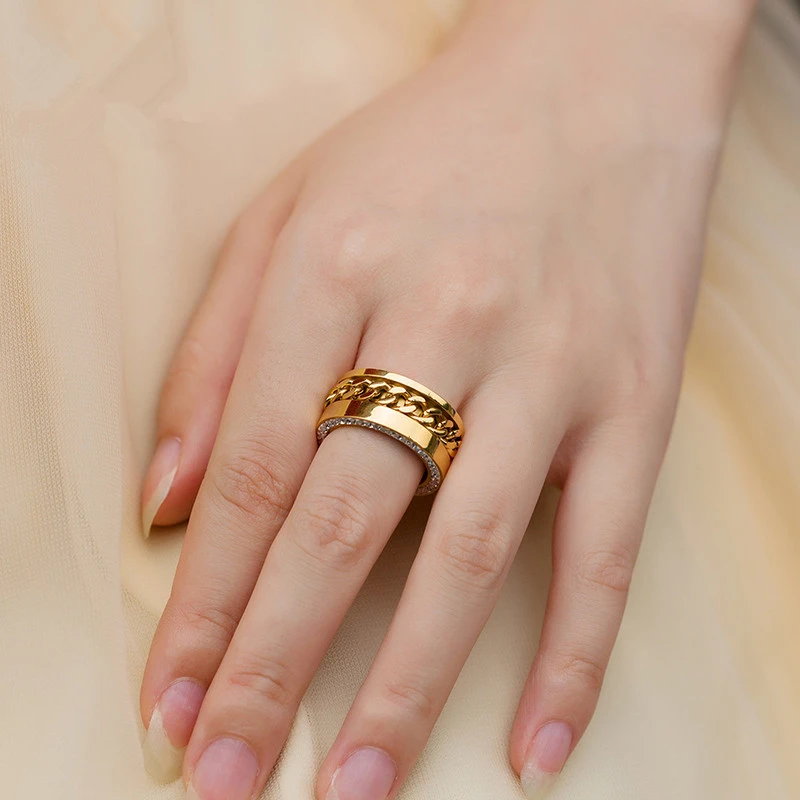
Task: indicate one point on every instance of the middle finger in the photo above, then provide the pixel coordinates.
(352, 498)
(265, 444)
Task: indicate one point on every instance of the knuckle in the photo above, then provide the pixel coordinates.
(610, 569)
(211, 623)
(251, 483)
(410, 700)
(334, 526)
(345, 247)
(476, 549)
(471, 299)
(266, 679)
(579, 669)
(645, 384)
(193, 362)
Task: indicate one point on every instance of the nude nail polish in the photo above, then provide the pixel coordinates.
(227, 770)
(367, 774)
(545, 759)
(169, 729)
(159, 479)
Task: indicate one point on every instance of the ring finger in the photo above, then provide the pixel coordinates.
(474, 530)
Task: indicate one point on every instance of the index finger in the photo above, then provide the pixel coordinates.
(265, 444)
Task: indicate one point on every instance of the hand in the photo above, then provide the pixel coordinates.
(525, 239)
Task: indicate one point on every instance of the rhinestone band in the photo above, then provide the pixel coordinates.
(434, 476)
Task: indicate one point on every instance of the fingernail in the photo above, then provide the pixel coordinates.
(368, 774)
(545, 760)
(158, 480)
(170, 728)
(227, 770)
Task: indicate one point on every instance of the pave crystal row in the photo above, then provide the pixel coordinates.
(434, 477)
(435, 417)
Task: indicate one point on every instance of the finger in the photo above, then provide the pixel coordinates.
(354, 494)
(266, 442)
(474, 530)
(352, 498)
(596, 538)
(201, 372)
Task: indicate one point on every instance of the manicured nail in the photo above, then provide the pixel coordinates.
(158, 480)
(367, 774)
(170, 728)
(227, 770)
(545, 760)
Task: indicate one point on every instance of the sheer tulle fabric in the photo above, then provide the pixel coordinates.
(131, 133)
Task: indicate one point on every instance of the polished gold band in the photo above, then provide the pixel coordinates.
(400, 408)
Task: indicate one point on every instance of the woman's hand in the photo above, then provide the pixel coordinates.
(519, 227)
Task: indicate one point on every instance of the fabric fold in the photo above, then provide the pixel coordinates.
(131, 134)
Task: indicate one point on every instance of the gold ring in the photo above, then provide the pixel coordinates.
(400, 408)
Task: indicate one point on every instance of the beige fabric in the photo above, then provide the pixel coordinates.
(131, 133)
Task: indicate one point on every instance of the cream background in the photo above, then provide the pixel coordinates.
(131, 133)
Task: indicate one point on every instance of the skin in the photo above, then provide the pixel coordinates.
(518, 226)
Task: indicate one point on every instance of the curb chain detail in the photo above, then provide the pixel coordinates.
(400, 398)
